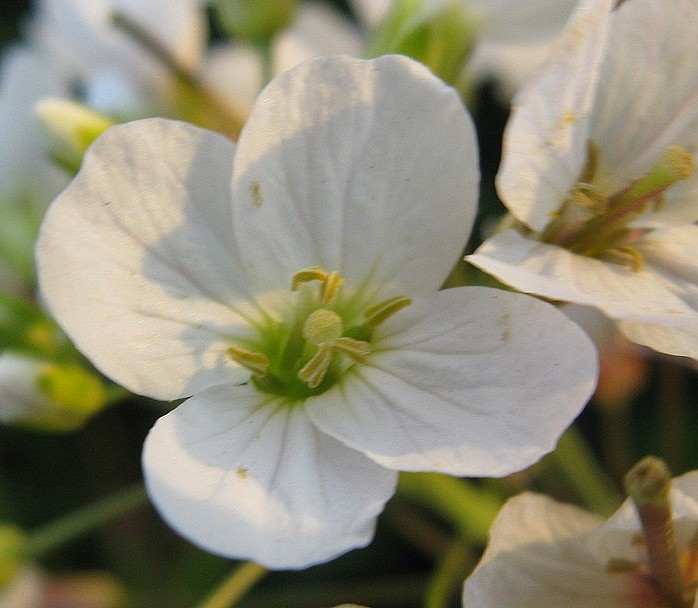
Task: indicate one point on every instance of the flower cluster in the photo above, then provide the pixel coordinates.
(253, 224)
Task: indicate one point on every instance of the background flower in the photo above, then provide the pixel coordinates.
(604, 191)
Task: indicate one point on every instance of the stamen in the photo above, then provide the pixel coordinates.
(313, 372)
(588, 195)
(312, 273)
(257, 363)
(375, 315)
(629, 254)
(356, 350)
(333, 282)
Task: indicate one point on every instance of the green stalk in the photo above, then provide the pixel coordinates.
(241, 580)
(577, 463)
(449, 575)
(469, 509)
(82, 521)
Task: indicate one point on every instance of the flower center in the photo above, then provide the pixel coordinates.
(594, 224)
(319, 339)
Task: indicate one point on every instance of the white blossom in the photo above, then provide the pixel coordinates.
(288, 287)
(549, 554)
(598, 172)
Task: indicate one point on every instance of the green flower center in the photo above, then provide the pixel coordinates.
(594, 224)
(317, 342)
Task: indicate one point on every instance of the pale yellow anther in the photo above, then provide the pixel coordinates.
(312, 273)
(321, 326)
(333, 282)
(588, 195)
(375, 315)
(677, 162)
(629, 254)
(356, 350)
(313, 372)
(257, 363)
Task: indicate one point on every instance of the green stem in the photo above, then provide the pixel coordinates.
(242, 579)
(217, 112)
(575, 460)
(469, 509)
(448, 576)
(82, 521)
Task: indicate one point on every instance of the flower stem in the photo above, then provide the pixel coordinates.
(242, 579)
(575, 460)
(216, 113)
(449, 574)
(82, 521)
(471, 510)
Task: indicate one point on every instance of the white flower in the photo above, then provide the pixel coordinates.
(28, 180)
(20, 396)
(26, 590)
(598, 170)
(512, 36)
(115, 70)
(236, 70)
(289, 285)
(548, 554)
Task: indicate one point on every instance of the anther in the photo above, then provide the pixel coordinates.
(257, 363)
(333, 281)
(312, 273)
(628, 254)
(375, 315)
(356, 350)
(313, 372)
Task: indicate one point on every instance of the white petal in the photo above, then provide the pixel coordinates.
(671, 255)
(370, 12)
(20, 396)
(247, 477)
(535, 518)
(679, 341)
(511, 65)
(26, 173)
(137, 261)
(467, 381)
(555, 273)
(26, 590)
(514, 22)
(365, 167)
(545, 143)
(650, 60)
(82, 37)
(316, 30)
(234, 71)
(545, 562)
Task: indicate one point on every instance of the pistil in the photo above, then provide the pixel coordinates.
(648, 484)
(323, 328)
